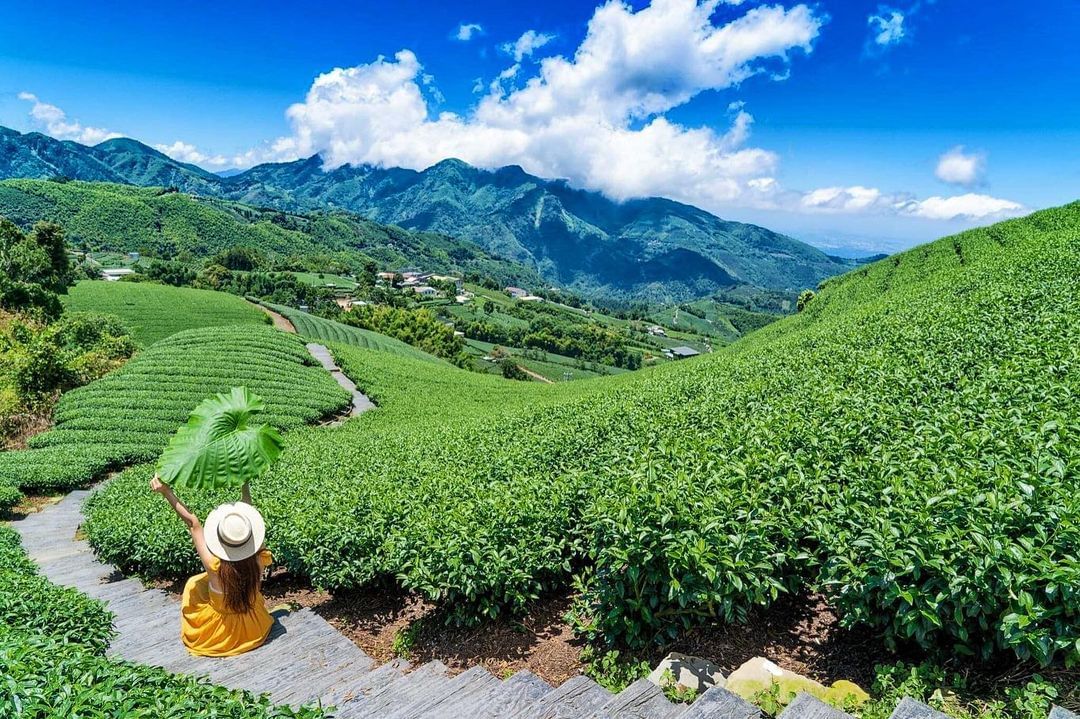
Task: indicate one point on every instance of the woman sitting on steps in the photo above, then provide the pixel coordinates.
(223, 611)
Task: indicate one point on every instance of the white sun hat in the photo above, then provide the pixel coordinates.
(234, 531)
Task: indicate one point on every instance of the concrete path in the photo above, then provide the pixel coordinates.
(360, 402)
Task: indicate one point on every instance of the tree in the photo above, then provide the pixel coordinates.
(34, 269)
(510, 370)
(805, 298)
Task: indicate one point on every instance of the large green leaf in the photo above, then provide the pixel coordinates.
(219, 446)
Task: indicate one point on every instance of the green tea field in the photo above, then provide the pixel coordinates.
(907, 445)
(152, 311)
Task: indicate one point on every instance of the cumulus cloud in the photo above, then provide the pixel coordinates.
(596, 118)
(957, 167)
(859, 199)
(186, 152)
(968, 206)
(466, 31)
(529, 42)
(887, 26)
(55, 122)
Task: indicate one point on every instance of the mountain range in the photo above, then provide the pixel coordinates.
(646, 249)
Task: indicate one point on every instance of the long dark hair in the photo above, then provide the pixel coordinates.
(240, 583)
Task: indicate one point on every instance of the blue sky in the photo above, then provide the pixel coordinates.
(850, 124)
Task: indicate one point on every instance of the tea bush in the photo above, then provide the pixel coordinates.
(153, 312)
(52, 640)
(909, 444)
(129, 415)
(324, 330)
(29, 602)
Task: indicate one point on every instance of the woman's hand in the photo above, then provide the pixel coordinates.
(156, 485)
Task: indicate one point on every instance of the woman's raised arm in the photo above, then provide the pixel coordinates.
(193, 524)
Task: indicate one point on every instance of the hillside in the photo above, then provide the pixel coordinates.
(173, 224)
(152, 312)
(907, 445)
(652, 249)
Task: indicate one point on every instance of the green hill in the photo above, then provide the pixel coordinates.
(646, 249)
(130, 414)
(169, 224)
(909, 445)
(152, 311)
(324, 330)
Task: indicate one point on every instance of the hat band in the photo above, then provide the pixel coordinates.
(233, 543)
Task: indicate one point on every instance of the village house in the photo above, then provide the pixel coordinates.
(113, 275)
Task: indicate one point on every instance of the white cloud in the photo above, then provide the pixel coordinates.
(527, 44)
(859, 199)
(595, 119)
(55, 122)
(186, 152)
(968, 206)
(466, 31)
(957, 167)
(887, 26)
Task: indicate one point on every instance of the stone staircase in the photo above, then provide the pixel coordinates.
(307, 661)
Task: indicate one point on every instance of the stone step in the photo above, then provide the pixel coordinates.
(908, 708)
(455, 699)
(390, 695)
(806, 706)
(640, 700)
(575, 698)
(521, 691)
(719, 703)
(365, 684)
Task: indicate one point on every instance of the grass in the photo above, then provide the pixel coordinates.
(152, 312)
(320, 279)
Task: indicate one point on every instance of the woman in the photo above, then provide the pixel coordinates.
(223, 612)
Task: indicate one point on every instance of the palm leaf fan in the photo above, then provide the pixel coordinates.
(220, 446)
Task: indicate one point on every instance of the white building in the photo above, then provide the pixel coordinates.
(115, 274)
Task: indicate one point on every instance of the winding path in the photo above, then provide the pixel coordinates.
(360, 402)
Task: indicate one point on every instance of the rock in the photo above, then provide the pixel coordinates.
(759, 674)
(689, 672)
(1062, 713)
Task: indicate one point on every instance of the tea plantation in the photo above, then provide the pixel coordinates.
(130, 414)
(152, 312)
(909, 444)
(324, 330)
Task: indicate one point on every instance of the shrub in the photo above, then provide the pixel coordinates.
(129, 415)
(31, 603)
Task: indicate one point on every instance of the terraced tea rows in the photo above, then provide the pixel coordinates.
(129, 415)
(330, 331)
(152, 312)
(909, 445)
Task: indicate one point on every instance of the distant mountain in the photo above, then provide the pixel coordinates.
(641, 249)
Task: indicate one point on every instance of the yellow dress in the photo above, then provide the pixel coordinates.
(209, 629)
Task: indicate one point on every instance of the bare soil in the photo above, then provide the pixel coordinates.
(17, 429)
(279, 320)
(800, 634)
